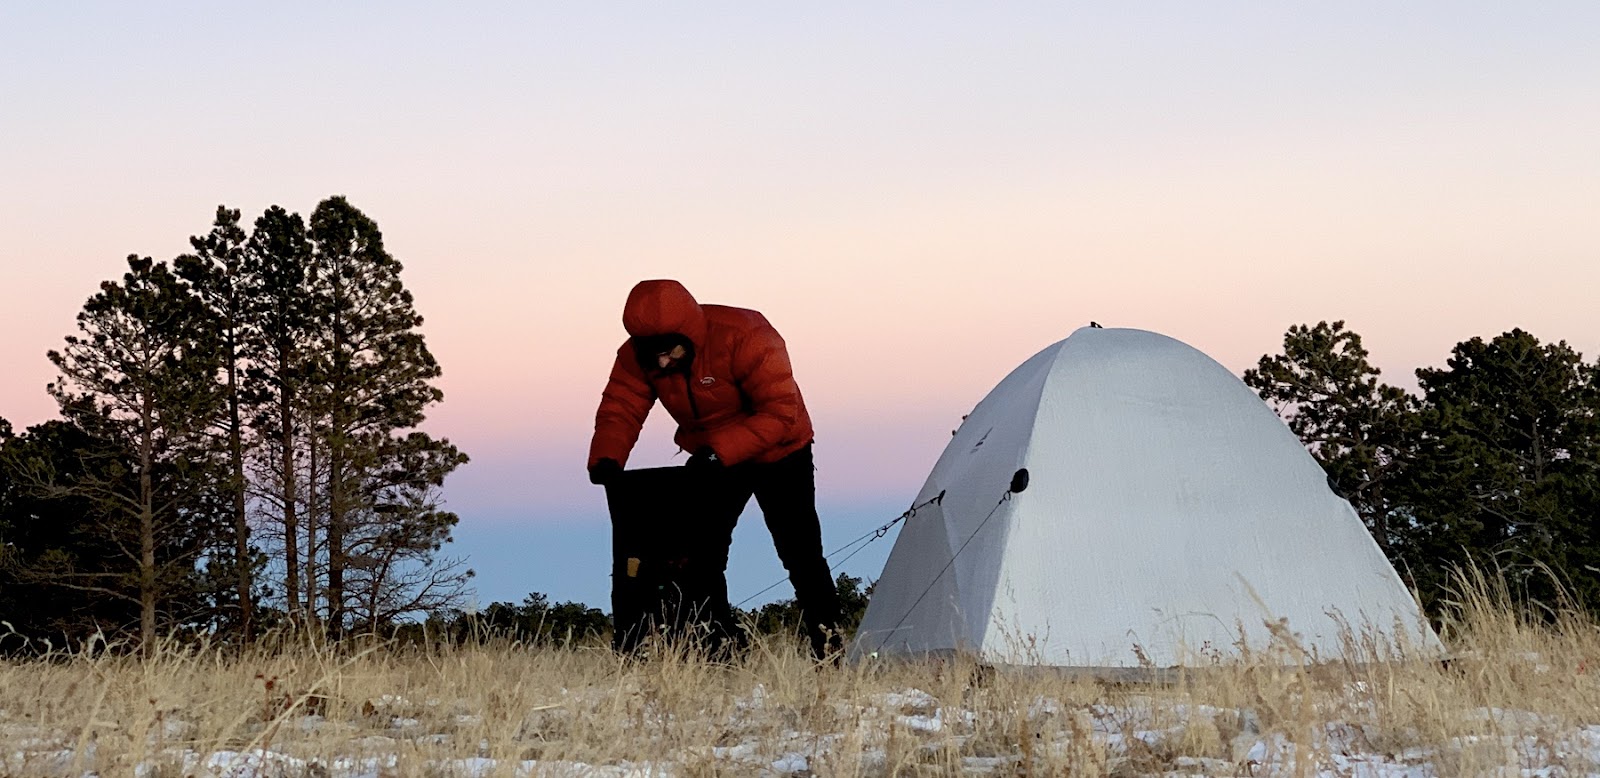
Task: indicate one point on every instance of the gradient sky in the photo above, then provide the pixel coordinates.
(919, 196)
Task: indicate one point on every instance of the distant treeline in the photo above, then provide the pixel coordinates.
(236, 449)
(538, 621)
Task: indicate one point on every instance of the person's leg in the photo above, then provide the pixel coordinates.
(727, 637)
(787, 493)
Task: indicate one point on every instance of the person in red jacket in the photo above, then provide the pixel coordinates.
(724, 375)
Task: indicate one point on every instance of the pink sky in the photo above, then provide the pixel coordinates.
(919, 197)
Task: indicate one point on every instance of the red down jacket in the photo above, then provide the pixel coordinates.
(738, 395)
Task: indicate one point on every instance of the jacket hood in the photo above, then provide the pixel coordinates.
(663, 307)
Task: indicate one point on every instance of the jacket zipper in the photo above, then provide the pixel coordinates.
(688, 388)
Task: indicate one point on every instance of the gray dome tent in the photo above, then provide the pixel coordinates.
(1165, 509)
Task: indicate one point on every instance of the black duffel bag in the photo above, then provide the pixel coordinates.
(670, 531)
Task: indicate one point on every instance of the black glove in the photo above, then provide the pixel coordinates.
(703, 457)
(605, 471)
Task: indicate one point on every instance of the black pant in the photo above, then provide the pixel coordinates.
(786, 491)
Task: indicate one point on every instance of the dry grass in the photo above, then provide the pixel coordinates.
(1519, 698)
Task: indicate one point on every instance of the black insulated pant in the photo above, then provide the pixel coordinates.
(786, 492)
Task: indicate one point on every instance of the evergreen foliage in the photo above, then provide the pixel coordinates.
(237, 432)
(140, 380)
(1494, 463)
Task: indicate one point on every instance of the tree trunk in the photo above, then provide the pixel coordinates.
(291, 528)
(312, 506)
(1538, 453)
(241, 528)
(1380, 522)
(338, 428)
(147, 534)
(336, 560)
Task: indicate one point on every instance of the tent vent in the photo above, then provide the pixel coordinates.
(1019, 481)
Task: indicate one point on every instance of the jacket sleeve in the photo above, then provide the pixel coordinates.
(761, 367)
(624, 404)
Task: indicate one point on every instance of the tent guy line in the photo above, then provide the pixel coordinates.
(1019, 482)
(869, 537)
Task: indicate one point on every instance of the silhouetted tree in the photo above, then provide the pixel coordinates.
(277, 262)
(1496, 465)
(216, 274)
(1358, 428)
(140, 379)
(1506, 467)
(396, 537)
(254, 404)
(536, 620)
(372, 375)
(51, 540)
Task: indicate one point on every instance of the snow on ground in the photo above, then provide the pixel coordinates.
(1338, 748)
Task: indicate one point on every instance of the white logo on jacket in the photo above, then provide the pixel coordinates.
(707, 381)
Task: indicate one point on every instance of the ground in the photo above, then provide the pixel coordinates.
(1517, 698)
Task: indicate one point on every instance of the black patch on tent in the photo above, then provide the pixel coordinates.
(1019, 481)
(979, 444)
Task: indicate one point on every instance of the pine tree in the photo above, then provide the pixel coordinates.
(8, 518)
(141, 376)
(1506, 472)
(216, 274)
(56, 557)
(373, 378)
(277, 262)
(1359, 429)
(8, 484)
(395, 539)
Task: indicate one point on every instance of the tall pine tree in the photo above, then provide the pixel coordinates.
(1358, 428)
(141, 376)
(216, 274)
(1505, 471)
(277, 264)
(373, 375)
(394, 542)
(56, 556)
